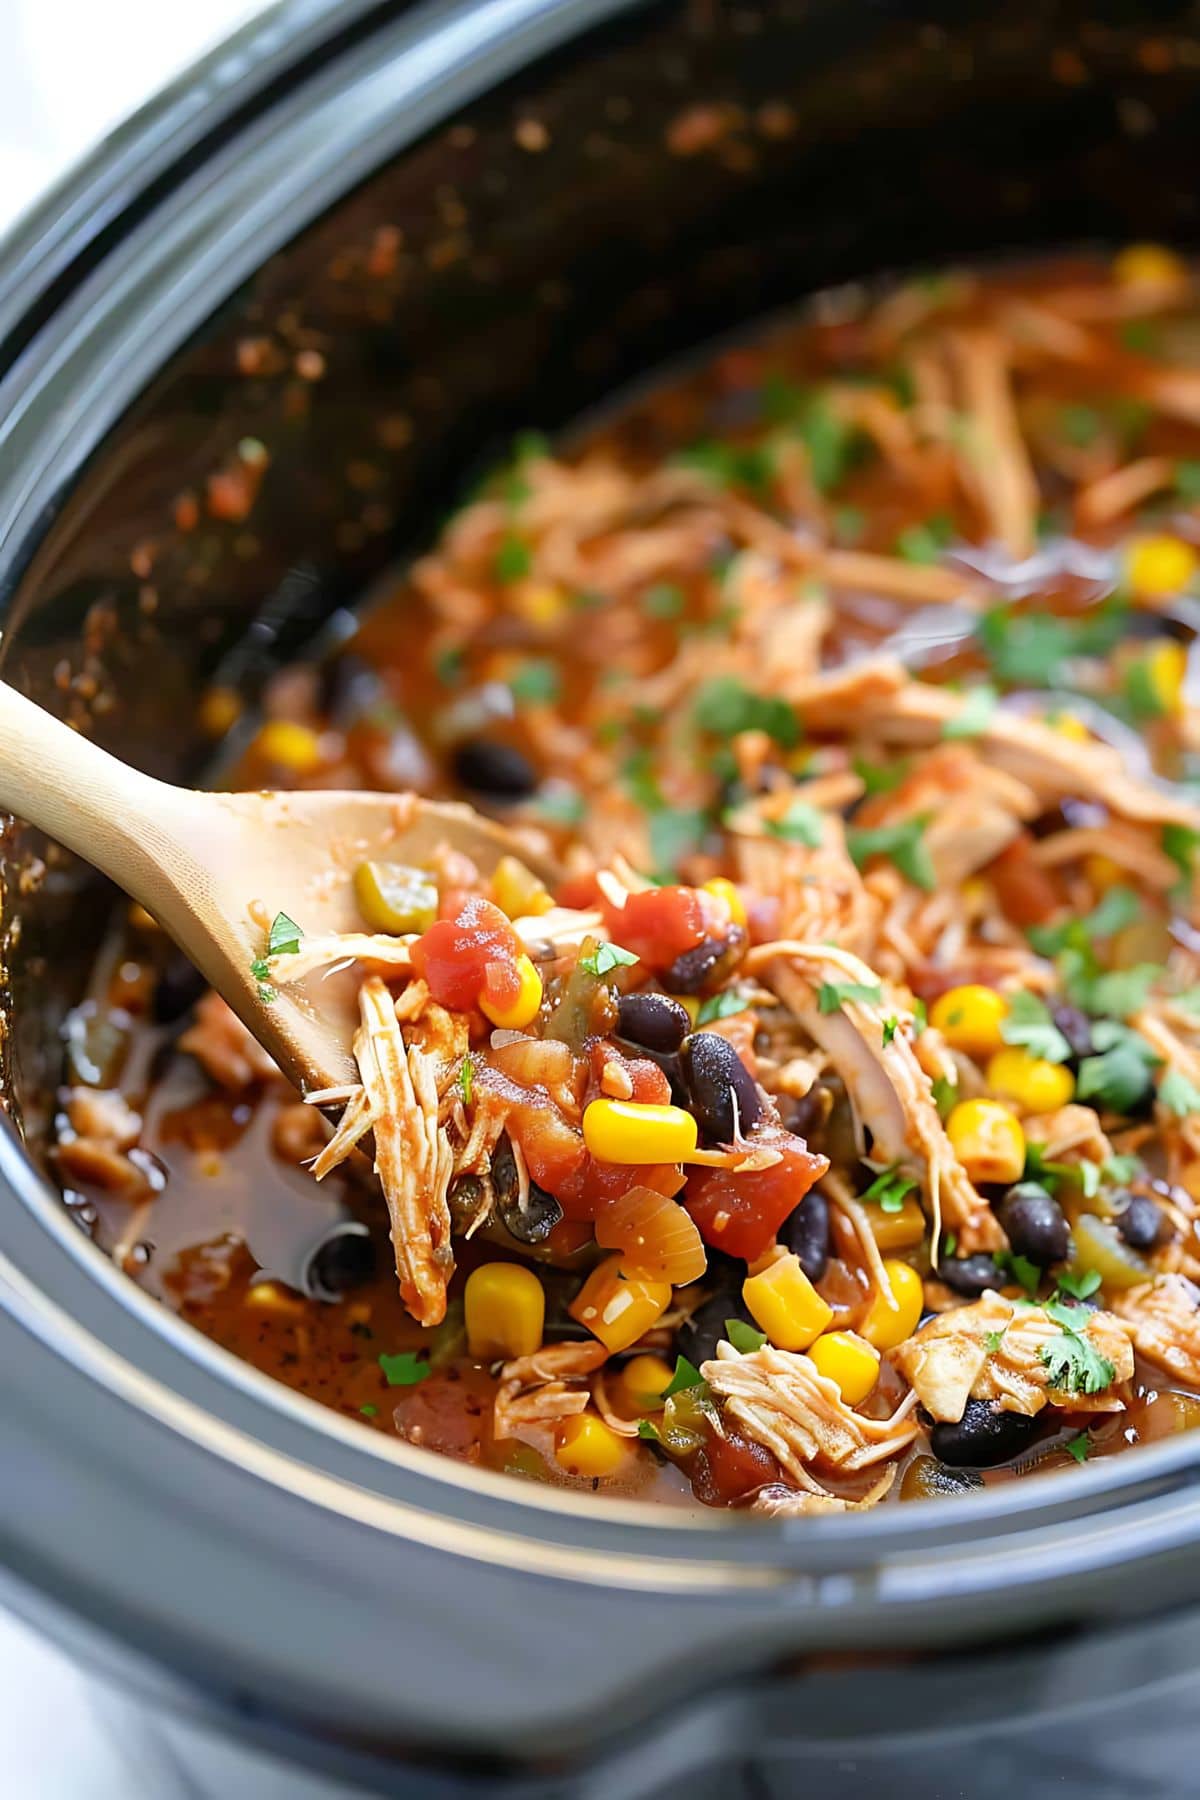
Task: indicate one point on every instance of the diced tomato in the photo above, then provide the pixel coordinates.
(649, 1083)
(660, 924)
(1026, 892)
(470, 952)
(730, 1468)
(741, 1214)
(579, 892)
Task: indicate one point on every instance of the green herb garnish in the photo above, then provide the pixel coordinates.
(663, 601)
(1073, 1362)
(1078, 1446)
(405, 1369)
(889, 1188)
(800, 824)
(686, 1375)
(725, 707)
(1025, 1273)
(675, 832)
(925, 541)
(607, 957)
(890, 1028)
(536, 681)
(1178, 1094)
(975, 714)
(1029, 1024)
(743, 1337)
(648, 1431)
(369, 1410)
(1030, 649)
(992, 1341)
(832, 995)
(903, 845)
(721, 1006)
(513, 558)
(466, 1079)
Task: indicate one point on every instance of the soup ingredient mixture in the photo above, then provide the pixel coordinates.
(829, 1129)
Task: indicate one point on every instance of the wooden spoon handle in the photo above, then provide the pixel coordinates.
(84, 798)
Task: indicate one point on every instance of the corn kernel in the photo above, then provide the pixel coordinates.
(1068, 726)
(1103, 873)
(645, 1379)
(220, 710)
(1165, 665)
(1149, 265)
(626, 1131)
(720, 889)
(619, 1308)
(517, 891)
(584, 1445)
(505, 1309)
(897, 1230)
(969, 1018)
(886, 1326)
(786, 1304)
(987, 1140)
(524, 1009)
(1036, 1085)
(848, 1361)
(538, 603)
(1159, 566)
(289, 746)
(273, 1297)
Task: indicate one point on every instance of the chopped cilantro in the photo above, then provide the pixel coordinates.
(466, 1079)
(449, 665)
(925, 541)
(1188, 1001)
(890, 1027)
(889, 1189)
(561, 805)
(731, 465)
(637, 773)
(1078, 1446)
(800, 824)
(832, 995)
(1081, 425)
(1089, 1178)
(686, 1375)
(606, 957)
(832, 445)
(1029, 649)
(404, 1370)
(725, 707)
(950, 1243)
(1118, 1078)
(1123, 991)
(675, 832)
(1140, 336)
(975, 714)
(992, 1341)
(1029, 1024)
(537, 680)
(1075, 1365)
(663, 601)
(368, 1411)
(743, 1337)
(1178, 1094)
(1120, 1169)
(513, 558)
(1187, 480)
(880, 778)
(648, 1431)
(1025, 1273)
(1080, 1286)
(945, 1095)
(720, 1006)
(1141, 693)
(1179, 842)
(920, 1017)
(903, 844)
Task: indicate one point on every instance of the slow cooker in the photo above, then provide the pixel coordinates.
(446, 222)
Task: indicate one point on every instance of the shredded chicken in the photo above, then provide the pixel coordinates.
(781, 1401)
(1163, 1317)
(548, 1386)
(224, 1048)
(993, 1350)
(972, 810)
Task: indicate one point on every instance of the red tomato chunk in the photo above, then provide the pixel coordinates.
(741, 1214)
(471, 953)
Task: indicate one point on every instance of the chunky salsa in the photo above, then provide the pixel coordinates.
(807, 1111)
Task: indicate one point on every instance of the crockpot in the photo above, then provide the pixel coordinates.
(375, 239)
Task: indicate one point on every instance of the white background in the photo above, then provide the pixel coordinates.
(69, 71)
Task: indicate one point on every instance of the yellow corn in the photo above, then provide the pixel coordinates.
(849, 1361)
(584, 1445)
(626, 1131)
(645, 1379)
(724, 890)
(786, 1304)
(505, 1309)
(524, 1009)
(289, 746)
(619, 1308)
(1158, 566)
(1037, 1086)
(517, 890)
(220, 710)
(987, 1140)
(969, 1018)
(1165, 664)
(1104, 873)
(897, 1230)
(886, 1326)
(1068, 726)
(538, 603)
(1149, 265)
(273, 1297)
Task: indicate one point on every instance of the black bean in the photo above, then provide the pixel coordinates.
(464, 1199)
(500, 771)
(971, 1275)
(1075, 1026)
(724, 1095)
(707, 965)
(533, 1222)
(177, 990)
(1035, 1225)
(983, 1437)
(805, 1116)
(341, 1262)
(806, 1232)
(1142, 1223)
(698, 1337)
(654, 1021)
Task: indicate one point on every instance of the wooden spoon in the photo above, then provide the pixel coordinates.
(214, 869)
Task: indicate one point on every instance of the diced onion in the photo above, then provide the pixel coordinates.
(656, 1237)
